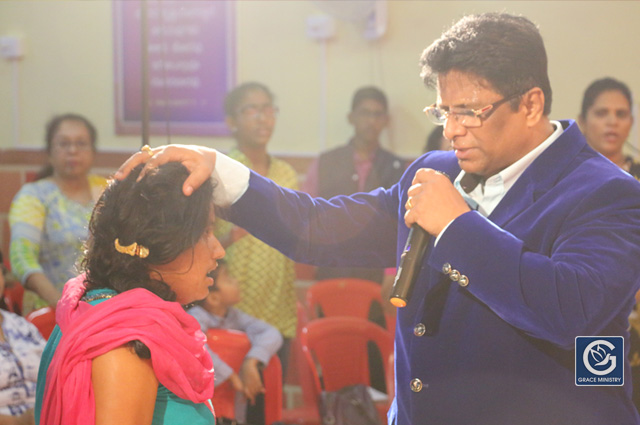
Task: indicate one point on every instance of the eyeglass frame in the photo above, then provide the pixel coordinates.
(69, 145)
(260, 111)
(476, 113)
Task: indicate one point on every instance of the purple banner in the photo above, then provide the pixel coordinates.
(191, 55)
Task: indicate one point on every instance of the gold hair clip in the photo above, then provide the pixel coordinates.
(133, 250)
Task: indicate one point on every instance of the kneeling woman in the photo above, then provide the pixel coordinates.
(125, 351)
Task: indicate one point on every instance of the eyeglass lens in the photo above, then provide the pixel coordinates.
(67, 145)
(255, 111)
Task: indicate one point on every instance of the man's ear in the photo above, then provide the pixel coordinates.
(533, 102)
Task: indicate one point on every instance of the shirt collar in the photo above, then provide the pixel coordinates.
(489, 192)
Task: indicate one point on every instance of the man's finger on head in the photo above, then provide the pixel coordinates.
(161, 155)
(131, 163)
(195, 180)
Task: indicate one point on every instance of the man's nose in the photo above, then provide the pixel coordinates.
(453, 129)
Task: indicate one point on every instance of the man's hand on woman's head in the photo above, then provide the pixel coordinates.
(199, 160)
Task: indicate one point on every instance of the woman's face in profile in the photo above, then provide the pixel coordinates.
(187, 274)
(608, 122)
(71, 154)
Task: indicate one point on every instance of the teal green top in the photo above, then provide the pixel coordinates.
(169, 409)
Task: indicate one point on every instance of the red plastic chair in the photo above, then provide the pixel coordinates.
(346, 297)
(44, 319)
(232, 346)
(336, 351)
(13, 294)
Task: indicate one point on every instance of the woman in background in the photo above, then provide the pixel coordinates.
(266, 276)
(606, 120)
(125, 351)
(49, 217)
(21, 347)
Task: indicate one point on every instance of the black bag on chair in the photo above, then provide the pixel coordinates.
(351, 405)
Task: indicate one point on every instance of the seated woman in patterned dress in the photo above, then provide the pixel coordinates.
(21, 347)
(125, 351)
(49, 217)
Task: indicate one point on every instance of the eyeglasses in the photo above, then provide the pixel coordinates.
(469, 118)
(367, 114)
(254, 112)
(68, 145)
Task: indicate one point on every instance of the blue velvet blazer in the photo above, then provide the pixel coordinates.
(559, 257)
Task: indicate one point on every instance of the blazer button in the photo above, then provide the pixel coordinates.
(419, 330)
(464, 281)
(446, 268)
(454, 275)
(416, 385)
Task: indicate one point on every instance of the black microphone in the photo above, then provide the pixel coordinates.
(410, 265)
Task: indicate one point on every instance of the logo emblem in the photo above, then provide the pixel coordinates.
(599, 361)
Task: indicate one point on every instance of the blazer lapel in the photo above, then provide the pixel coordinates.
(541, 175)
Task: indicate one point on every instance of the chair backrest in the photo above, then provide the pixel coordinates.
(346, 297)
(44, 319)
(336, 350)
(13, 297)
(297, 373)
(232, 346)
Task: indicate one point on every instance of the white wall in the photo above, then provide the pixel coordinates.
(68, 64)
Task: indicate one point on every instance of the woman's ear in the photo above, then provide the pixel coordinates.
(231, 123)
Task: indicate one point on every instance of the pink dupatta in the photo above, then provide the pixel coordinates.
(178, 355)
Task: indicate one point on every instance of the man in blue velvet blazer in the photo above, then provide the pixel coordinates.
(535, 240)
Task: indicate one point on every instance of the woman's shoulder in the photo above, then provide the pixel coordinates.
(38, 188)
(283, 173)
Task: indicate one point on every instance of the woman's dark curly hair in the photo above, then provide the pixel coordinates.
(153, 213)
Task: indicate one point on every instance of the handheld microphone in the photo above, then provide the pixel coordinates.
(410, 265)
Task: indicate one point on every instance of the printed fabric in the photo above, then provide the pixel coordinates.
(19, 360)
(48, 229)
(266, 276)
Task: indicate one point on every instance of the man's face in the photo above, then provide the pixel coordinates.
(369, 118)
(501, 138)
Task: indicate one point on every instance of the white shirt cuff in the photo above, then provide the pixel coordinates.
(230, 179)
(442, 232)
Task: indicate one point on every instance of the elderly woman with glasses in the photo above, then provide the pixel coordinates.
(266, 276)
(49, 217)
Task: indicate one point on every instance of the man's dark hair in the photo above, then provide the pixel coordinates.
(153, 213)
(505, 50)
(233, 99)
(369, 92)
(598, 87)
